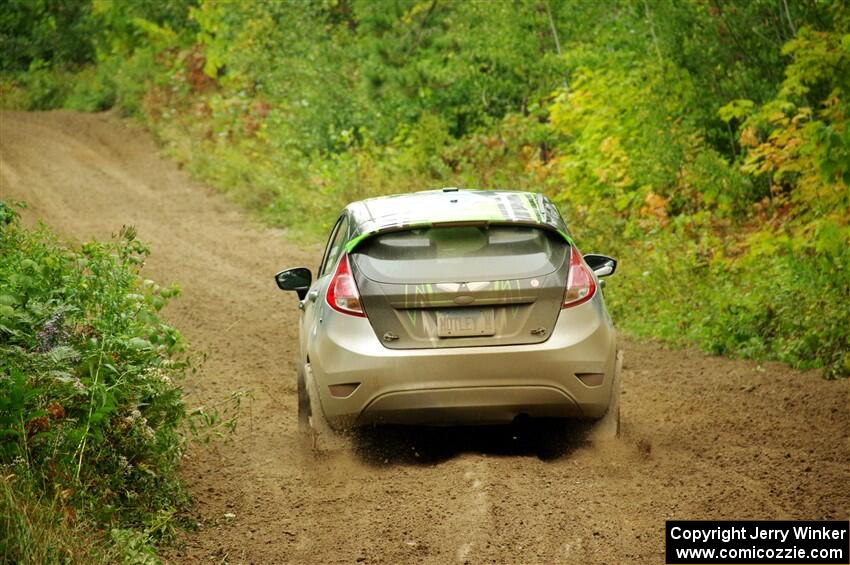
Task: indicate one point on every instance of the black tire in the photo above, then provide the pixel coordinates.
(303, 404)
(608, 426)
(322, 438)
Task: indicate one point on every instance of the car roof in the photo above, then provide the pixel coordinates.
(451, 205)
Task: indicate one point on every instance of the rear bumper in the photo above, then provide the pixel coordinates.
(462, 385)
(469, 405)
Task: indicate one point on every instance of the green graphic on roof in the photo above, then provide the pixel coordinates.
(427, 208)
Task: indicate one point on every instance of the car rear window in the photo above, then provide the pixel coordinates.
(460, 254)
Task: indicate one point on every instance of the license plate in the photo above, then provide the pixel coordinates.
(461, 322)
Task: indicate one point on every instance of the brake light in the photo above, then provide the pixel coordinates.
(581, 285)
(342, 291)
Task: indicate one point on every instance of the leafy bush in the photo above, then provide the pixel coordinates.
(42, 30)
(41, 87)
(90, 410)
(784, 302)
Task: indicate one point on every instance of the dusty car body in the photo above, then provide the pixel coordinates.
(451, 307)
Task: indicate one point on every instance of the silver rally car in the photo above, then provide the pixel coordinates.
(450, 307)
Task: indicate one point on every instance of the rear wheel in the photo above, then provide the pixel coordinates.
(608, 426)
(303, 405)
(320, 436)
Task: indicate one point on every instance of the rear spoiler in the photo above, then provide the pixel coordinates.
(357, 240)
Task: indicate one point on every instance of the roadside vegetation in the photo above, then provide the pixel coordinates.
(702, 142)
(91, 413)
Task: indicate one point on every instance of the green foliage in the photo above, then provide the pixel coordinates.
(425, 57)
(90, 412)
(781, 300)
(40, 88)
(38, 528)
(45, 30)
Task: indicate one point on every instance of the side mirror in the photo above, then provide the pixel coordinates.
(297, 279)
(601, 265)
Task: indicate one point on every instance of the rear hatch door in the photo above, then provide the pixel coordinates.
(462, 285)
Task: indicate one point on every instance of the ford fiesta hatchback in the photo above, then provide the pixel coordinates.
(450, 307)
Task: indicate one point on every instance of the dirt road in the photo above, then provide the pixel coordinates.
(703, 437)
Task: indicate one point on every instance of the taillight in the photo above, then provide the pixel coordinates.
(580, 283)
(342, 291)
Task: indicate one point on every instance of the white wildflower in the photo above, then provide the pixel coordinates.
(134, 417)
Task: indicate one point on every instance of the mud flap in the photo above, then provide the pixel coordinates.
(608, 426)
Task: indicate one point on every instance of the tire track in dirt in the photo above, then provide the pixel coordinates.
(703, 437)
(475, 518)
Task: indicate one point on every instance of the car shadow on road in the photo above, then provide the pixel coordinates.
(547, 440)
